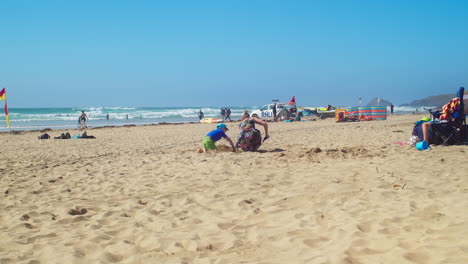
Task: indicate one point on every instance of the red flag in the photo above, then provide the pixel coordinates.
(293, 101)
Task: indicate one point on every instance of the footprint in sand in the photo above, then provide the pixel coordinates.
(365, 227)
(25, 217)
(225, 226)
(316, 242)
(246, 201)
(417, 257)
(142, 202)
(77, 211)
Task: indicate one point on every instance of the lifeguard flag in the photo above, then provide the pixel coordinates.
(2, 94)
(3, 97)
(293, 101)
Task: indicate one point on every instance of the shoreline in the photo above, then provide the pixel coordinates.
(106, 126)
(74, 127)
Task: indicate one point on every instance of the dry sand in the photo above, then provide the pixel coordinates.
(317, 192)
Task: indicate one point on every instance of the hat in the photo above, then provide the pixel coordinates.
(222, 125)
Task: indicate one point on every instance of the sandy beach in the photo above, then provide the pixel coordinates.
(316, 192)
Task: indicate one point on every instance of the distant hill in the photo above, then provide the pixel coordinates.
(436, 100)
(378, 102)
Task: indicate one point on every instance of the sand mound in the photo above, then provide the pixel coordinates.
(317, 153)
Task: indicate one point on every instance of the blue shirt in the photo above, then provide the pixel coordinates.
(217, 134)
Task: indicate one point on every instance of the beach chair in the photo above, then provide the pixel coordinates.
(435, 114)
(453, 131)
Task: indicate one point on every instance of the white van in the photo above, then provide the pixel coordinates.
(266, 111)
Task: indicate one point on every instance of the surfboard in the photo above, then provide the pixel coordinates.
(210, 120)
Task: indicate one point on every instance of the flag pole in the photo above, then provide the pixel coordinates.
(5, 108)
(7, 116)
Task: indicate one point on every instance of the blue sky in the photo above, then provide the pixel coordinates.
(229, 53)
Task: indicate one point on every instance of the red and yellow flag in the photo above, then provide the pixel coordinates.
(2, 94)
(3, 97)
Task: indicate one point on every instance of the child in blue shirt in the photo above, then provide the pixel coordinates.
(215, 135)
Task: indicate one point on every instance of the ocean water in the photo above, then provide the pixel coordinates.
(67, 118)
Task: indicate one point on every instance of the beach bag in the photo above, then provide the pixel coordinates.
(413, 140)
(44, 136)
(417, 133)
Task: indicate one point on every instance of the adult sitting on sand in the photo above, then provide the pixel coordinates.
(250, 138)
(215, 135)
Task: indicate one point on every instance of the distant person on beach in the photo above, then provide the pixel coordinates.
(391, 109)
(107, 116)
(250, 138)
(223, 113)
(228, 114)
(274, 112)
(82, 135)
(82, 120)
(201, 115)
(63, 136)
(299, 116)
(215, 135)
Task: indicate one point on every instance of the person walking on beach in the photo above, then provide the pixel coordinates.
(391, 109)
(274, 112)
(215, 135)
(228, 114)
(223, 113)
(82, 119)
(201, 115)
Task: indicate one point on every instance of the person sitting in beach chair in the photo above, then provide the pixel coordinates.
(215, 135)
(452, 126)
(422, 131)
(450, 130)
